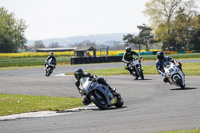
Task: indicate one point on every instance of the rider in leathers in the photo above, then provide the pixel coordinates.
(80, 74)
(53, 59)
(128, 57)
(160, 63)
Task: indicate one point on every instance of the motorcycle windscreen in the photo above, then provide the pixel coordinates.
(167, 64)
(85, 83)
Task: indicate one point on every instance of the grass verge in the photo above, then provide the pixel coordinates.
(174, 56)
(190, 69)
(31, 61)
(182, 131)
(35, 61)
(14, 104)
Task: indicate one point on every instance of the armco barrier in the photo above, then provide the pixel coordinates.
(143, 53)
(166, 52)
(171, 52)
(87, 60)
(187, 52)
(155, 52)
(181, 52)
(146, 53)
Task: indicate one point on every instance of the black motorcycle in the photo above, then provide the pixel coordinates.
(135, 68)
(49, 67)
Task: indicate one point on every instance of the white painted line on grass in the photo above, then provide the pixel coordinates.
(45, 113)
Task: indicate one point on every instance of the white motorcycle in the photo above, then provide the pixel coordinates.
(99, 94)
(174, 74)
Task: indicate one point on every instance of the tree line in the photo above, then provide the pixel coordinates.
(11, 32)
(173, 23)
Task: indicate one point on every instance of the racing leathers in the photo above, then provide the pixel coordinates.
(127, 57)
(160, 66)
(53, 61)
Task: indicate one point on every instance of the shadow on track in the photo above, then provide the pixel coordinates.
(187, 88)
(109, 108)
(141, 79)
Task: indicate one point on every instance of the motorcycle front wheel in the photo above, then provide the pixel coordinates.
(141, 74)
(99, 100)
(179, 82)
(120, 102)
(48, 71)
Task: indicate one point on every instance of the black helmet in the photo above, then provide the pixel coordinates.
(160, 55)
(128, 50)
(78, 73)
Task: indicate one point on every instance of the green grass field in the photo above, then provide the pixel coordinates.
(30, 61)
(190, 69)
(174, 56)
(37, 61)
(14, 104)
(183, 131)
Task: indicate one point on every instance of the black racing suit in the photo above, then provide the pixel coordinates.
(53, 61)
(127, 57)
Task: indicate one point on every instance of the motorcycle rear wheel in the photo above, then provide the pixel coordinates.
(141, 74)
(48, 71)
(99, 100)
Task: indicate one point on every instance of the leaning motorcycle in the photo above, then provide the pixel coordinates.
(99, 94)
(49, 67)
(174, 74)
(135, 68)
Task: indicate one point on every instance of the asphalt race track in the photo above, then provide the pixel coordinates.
(149, 105)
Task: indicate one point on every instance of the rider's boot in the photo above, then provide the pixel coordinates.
(112, 89)
(85, 101)
(165, 80)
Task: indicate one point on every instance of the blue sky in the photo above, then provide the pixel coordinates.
(65, 18)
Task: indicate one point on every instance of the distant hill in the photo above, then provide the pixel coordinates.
(98, 39)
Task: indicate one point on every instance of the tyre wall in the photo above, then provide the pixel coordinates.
(88, 60)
